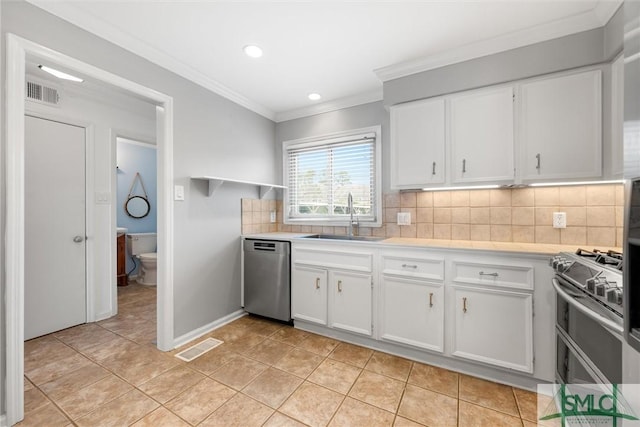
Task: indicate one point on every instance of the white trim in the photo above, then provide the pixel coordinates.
(138, 142)
(595, 18)
(197, 333)
(3, 421)
(334, 105)
(108, 32)
(16, 52)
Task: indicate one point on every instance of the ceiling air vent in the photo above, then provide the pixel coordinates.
(40, 93)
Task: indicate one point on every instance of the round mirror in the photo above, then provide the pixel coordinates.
(137, 207)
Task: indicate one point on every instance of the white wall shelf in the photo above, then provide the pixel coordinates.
(215, 182)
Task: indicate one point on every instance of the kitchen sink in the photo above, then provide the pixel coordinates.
(343, 237)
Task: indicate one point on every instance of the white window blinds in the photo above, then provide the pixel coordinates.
(323, 173)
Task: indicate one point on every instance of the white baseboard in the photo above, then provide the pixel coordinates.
(3, 421)
(197, 333)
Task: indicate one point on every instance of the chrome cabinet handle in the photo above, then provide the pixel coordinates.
(78, 239)
(339, 285)
(317, 283)
(482, 273)
(464, 304)
(409, 266)
(538, 159)
(433, 171)
(430, 299)
(464, 165)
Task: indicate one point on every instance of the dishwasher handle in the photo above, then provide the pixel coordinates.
(273, 246)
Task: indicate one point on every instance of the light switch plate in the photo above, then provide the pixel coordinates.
(404, 218)
(103, 198)
(178, 192)
(559, 220)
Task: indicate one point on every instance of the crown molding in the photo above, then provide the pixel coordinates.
(336, 104)
(594, 18)
(90, 23)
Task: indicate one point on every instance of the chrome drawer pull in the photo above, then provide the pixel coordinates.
(409, 266)
(339, 285)
(464, 165)
(317, 283)
(464, 304)
(430, 299)
(433, 171)
(538, 158)
(482, 273)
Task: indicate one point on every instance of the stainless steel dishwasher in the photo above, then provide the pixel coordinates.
(267, 274)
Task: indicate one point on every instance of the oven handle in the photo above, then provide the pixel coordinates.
(607, 323)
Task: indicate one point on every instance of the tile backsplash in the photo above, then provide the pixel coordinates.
(594, 215)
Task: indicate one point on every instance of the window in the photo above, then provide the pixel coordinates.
(321, 172)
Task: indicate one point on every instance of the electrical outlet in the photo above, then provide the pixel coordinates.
(559, 220)
(272, 216)
(404, 218)
(103, 198)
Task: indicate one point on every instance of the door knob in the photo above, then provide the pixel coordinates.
(78, 239)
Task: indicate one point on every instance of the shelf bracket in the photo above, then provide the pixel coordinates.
(214, 184)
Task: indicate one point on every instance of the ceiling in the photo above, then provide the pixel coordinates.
(343, 50)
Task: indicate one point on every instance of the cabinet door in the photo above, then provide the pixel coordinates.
(351, 300)
(482, 137)
(617, 117)
(561, 133)
(494, 327)
(417, 144)
(309, 294)
(412, 312)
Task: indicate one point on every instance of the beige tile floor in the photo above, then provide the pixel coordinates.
(265, 374)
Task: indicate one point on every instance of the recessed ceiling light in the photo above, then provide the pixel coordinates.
(60, 74)
(314, 96)
(253, 51)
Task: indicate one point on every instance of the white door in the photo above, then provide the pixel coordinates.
(417, 144)
(55, 283)
(561, 120)
(494, 326)
(413, 312)
(481, 132)
(351, 301)
(309, 294)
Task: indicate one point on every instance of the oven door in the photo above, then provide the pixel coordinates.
(589, 338)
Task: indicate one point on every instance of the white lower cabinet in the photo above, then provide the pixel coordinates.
(493, 326)
(309, 294)
(412, 312)
(350, 301)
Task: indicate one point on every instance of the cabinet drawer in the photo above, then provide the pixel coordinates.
(424, 268)
(352, 260)
(512, 276)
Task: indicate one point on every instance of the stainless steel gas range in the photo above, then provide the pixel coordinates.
(589, 316)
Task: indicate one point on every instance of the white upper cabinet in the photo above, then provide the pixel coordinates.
(418, 144)
(617, 117)
(482, 136)
(560, 127)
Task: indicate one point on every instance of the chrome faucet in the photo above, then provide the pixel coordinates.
(351, 221)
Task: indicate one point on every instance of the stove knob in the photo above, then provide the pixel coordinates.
(601, 288)
(591, 284)
(615, 296)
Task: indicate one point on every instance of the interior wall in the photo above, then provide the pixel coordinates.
(212, 136)
(360, 116)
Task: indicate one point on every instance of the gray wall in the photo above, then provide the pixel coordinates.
(335, 121)
(212, 136)
(576, 50)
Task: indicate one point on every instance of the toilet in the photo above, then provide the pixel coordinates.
(143, 246)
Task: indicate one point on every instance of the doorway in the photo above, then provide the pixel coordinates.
(17, 50)
(55, 226)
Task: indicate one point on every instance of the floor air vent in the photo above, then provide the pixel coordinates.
(199, 349)
(41, 93)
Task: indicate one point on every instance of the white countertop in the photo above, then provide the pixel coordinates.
(525, 248)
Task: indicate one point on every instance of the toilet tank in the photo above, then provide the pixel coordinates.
(141, 243)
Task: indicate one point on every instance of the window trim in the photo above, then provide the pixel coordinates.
(330, 138)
